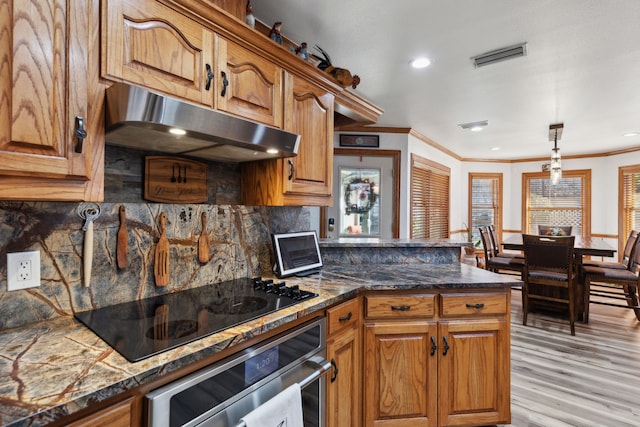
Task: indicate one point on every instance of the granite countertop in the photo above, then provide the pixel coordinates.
(370, 242)
(54, 368)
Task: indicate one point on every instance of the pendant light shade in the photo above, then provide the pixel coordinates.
(555, 132)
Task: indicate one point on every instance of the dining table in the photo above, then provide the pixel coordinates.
(583, 246)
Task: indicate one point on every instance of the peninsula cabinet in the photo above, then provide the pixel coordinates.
(344, 350)
(307, 179)
(51, 125)
(437, 359)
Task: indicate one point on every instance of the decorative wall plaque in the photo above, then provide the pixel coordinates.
(170, 179)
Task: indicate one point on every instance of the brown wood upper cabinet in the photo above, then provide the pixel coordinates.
(249, 86)
(306, 179)
(150, 45)
(48, 88)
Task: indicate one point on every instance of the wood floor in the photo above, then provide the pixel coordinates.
(590, 379)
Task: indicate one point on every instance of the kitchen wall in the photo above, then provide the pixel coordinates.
(239, 235)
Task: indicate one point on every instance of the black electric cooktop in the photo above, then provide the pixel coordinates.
(140, 329)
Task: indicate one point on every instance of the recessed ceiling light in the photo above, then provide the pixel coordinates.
(421, 62)
(495, 148)
(632, 134)
(177, 131)
(474, 126)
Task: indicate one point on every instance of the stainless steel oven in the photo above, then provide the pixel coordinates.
(220, 395)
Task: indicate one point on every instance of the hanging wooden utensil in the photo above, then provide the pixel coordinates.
(161, 261)
(89, 212)
(122, 241)
(203, 241)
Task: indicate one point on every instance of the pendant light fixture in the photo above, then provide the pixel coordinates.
(555, 133)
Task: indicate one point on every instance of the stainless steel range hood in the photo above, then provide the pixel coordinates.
(145, 120)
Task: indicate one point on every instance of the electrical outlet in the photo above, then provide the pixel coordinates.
(23, 270)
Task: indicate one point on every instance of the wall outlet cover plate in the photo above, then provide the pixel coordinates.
(23, 270)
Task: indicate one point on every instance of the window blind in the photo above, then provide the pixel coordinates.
(429, 199)
(564, 203)
(630, 200)
(485, 206)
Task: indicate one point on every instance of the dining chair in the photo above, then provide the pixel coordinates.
(496, 244)
(498, 262)
(555, 230)
(613, 287)
(627, 255)
(549, 275)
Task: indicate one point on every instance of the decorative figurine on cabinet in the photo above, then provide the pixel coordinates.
(342, 75)
(250, 19)
(302, 51)
(274, 34)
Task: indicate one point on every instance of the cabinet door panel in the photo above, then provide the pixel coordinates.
(150, 45)
(311, 116)
(344, 393)
(474, 373)
(46, 50)
(400, 380)
(254, 88)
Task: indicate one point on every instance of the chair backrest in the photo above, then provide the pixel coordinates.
(486, 243)
(629, 248)
(494, 239)
(634, 263)
(550, 253)
(555, 230)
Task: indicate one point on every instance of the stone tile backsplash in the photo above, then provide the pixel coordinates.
(240, 246)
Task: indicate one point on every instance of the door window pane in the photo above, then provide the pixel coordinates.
(360, 201)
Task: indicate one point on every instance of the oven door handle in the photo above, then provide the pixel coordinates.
(323, 366)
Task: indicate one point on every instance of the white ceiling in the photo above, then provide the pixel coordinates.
(582, 67)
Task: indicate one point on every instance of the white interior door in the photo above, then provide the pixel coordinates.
(363, 197)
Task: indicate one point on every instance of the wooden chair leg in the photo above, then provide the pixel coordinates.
(587, 299)
(572, 311)
(632, 299)
(525, 304)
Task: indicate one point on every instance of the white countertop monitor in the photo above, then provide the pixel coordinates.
(296, 253)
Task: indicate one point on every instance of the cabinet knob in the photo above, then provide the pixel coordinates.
(80, 133)
(225, 83)
(345, 318)
(434, 346)
(207, 86)
(335, 370)
(291, 170)
(478, 305)
(401, 307)
(446, 346)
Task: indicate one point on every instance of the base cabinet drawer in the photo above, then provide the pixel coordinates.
(473, 304)
(117, 415)
(400, 307)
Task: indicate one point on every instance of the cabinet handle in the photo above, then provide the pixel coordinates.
(207, 86)
(446, 346)
(335, 370)
(80, 133)
(434, 346)
(291, 169)
(345, 318)
(401, 307)
(225, 83)
(478, 305)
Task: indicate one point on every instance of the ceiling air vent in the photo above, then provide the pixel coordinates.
(498, 55)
